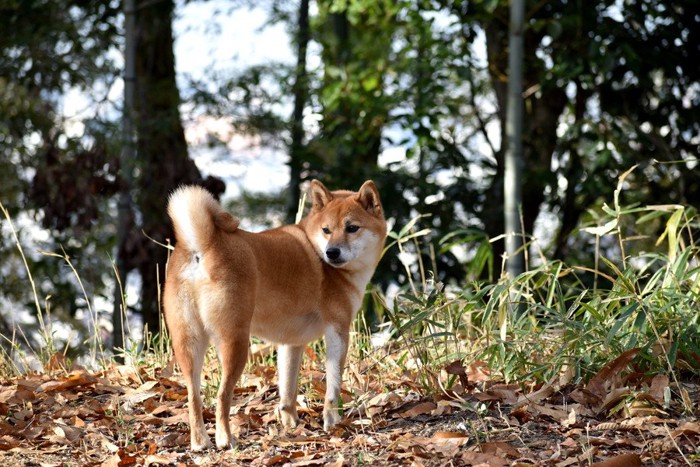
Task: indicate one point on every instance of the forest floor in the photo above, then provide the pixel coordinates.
(131, 416)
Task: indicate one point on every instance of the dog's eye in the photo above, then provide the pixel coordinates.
(326, 230)
(352, 228)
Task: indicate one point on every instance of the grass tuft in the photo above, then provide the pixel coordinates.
(549, 320)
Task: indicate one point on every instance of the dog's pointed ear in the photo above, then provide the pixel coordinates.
(320, 196)
(368, 197)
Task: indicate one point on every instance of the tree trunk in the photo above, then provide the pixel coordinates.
(163, 162)
(512, 194)
(492, 216)
(125, 220)
(301, 91)
(539, 139)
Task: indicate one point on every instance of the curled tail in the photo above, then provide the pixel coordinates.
(196, 216)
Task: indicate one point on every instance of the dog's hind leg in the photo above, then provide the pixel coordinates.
(190, 345)
(288, 362)
(233, 353)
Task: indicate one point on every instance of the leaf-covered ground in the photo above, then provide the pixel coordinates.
(123, 417)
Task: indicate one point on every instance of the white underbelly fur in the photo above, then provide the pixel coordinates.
(292, 330)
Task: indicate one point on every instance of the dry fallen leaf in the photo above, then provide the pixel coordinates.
(160, 459)
(624, 460)
(534, 398)
(557, 414)
(111, 461)
(500, 448)
(659, 385)
(449, 434)
(687, 429)
(609, 376)
(74, 379)
(457, 368)
(483, 459)
(478, 371)
(422, 408)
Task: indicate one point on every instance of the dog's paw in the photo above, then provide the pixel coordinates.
(225, 440)
(288, 417)
(201, 443)
(331, 417)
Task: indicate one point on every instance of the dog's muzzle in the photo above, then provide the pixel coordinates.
(333, 256)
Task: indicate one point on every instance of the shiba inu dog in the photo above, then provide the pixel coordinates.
(288, 285)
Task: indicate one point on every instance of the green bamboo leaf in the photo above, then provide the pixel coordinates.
(672, 233)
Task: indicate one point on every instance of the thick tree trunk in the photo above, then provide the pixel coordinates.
(125, 219)
(162, 151)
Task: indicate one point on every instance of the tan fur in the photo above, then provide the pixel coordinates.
(288, 285)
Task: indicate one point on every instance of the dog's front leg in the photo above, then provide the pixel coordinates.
(336, 350)
(288, 362)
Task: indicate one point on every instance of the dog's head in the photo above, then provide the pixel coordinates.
(347, 228)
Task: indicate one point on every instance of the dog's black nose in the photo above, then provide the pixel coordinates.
(333, 253)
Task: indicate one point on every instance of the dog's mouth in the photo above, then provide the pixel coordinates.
(336, 263)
